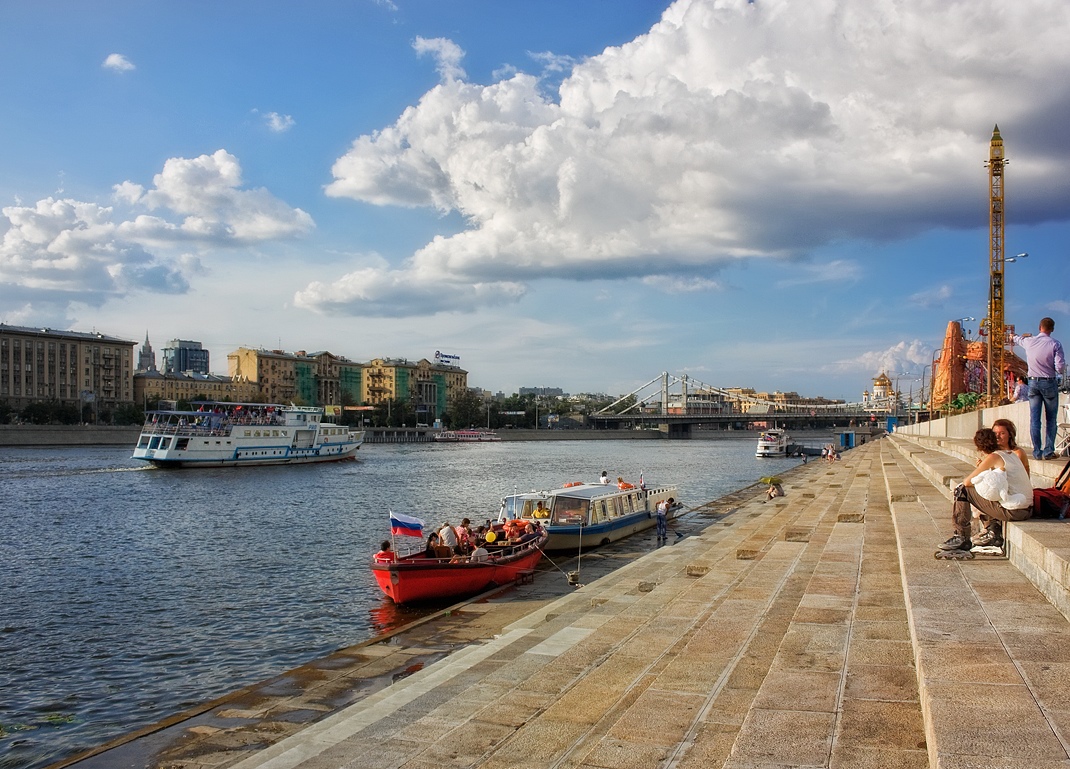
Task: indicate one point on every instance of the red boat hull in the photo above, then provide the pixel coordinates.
(418, 578)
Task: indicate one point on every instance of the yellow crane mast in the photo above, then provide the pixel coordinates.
(997, 344)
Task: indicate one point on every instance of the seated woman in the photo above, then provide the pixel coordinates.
(435, 548)
(1014, 505)
(1006, 440)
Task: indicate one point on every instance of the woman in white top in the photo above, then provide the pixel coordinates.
(1016, 504)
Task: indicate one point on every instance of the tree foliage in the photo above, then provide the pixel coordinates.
(467, 410)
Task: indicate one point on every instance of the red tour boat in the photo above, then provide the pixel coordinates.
(418, 577)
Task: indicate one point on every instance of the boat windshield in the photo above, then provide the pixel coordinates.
(569, 511)
(529, 507)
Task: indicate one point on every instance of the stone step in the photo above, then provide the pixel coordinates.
(989, 648)
(1040, 549)
(729, 648)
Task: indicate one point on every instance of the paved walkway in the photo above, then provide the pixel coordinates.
(816, 630)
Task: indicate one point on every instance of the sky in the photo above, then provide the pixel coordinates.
(580, 194)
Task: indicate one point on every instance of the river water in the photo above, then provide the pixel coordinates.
(129, 593)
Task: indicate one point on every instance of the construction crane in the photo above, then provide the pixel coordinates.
(994, 323)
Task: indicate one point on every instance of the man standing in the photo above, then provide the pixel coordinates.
(661, 518)
(1046, 365)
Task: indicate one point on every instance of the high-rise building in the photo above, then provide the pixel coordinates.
(146, 359)
(182, 356)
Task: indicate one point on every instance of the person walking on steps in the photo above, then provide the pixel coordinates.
(1046, 366)
(1013, 504)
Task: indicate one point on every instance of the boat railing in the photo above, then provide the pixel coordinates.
(161, 428)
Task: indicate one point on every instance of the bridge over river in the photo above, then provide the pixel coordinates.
(677, 405)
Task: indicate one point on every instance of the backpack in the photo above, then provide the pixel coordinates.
(1053, 502)
(1050, 503)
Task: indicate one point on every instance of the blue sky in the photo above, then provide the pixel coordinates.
(787, 196)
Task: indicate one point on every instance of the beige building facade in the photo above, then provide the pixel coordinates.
(152, 386)
(42, 364)
(429, 387)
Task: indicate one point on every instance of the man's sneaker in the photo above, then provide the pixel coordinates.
(990, 537)
(957, 542)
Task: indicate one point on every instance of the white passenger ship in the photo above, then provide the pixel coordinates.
(772, 443)
(232, 434)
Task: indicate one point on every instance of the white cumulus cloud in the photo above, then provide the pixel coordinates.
(116, 62)
(278, 123)
(732, 130)
(60, 250)
(447, 55)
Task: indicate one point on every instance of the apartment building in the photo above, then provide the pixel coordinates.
(429, 387)
(74, 367)
(151, 386)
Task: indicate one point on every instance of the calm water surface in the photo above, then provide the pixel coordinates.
(129, 593)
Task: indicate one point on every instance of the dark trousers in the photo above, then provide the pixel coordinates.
(967, 498)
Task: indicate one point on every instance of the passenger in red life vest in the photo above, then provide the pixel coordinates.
(386, 553)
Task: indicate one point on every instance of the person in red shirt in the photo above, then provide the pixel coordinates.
(386, 553)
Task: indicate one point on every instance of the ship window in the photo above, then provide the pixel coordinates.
(155, 443)
(570, 511)
(598, 510)
(182, 444)
(144, 442)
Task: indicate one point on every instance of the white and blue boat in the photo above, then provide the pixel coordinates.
(237, 434)
(589, 514)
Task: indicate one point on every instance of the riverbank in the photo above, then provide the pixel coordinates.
(107, 435)
(816, 630)
(68, 435)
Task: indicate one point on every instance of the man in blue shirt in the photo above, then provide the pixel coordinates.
(1046, 365)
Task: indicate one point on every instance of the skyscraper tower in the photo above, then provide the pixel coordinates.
(146, 359)
(997, 344)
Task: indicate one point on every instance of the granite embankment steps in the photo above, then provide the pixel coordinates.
(990, 649)
(816, 630)
(779, 640)
(1039, 549)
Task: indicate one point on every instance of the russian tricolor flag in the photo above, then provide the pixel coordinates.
(406, 525)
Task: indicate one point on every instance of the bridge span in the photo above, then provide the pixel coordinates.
(676, 405)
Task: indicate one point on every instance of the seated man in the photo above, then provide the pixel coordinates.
(386, 553)
(479, 555)
(529, 535)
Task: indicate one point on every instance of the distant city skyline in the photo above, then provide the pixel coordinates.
(787, 195)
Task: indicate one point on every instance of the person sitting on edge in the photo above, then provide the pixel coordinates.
(1006, 440)
(1020, 392)
(1015, 505)
(1046, 364)
(604, 480)
(431, 550)
(386, 553)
